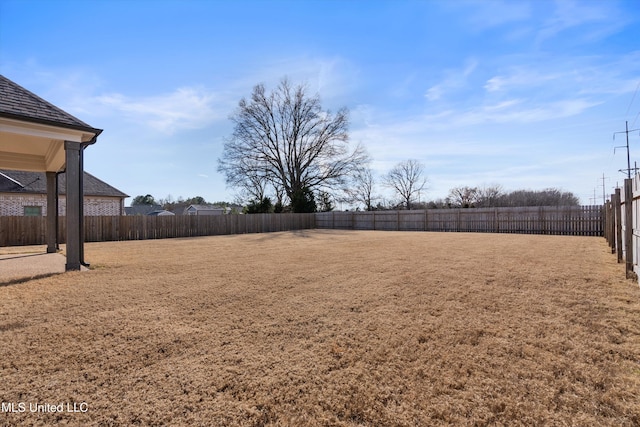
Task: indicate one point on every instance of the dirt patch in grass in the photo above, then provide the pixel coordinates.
(328, 328)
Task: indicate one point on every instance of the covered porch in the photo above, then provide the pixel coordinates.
(37, 136)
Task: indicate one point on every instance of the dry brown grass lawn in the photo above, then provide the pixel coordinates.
(329, 328)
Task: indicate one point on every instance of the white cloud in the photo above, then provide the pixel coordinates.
(485, 131)
(502, 106)
(332, 77)
(185, 108)
(583, 76)
(515, 112)
(520, 77)
(434, 93)
(596, 19)
(486, 14)
(456, 79)
(82, 92)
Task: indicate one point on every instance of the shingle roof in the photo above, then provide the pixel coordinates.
(205, 208)
(17, 102)
(141, 209)
(161, 212)
(36, 182)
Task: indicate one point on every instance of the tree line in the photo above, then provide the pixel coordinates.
(287, 154)
(495, 196)
(459, 197)
(178, 205)
(475, 197)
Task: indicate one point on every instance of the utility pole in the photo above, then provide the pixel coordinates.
(626, 127)
(626, 131)
(604, 200)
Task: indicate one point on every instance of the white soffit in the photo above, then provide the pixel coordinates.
(34, 146)
(37, 130)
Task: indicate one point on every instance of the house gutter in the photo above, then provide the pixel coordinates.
(57, 191)
(84, 145)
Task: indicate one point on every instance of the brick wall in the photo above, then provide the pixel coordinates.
(13, 205)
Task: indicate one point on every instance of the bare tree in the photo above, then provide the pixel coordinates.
(547, 197)
(407, 179)
(463, 197)
(489, 196)
(285, 138)
(250, 181)
(361, 188)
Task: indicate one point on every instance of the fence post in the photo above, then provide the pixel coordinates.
(609, 216)
(616, 240)
(610, 226)
(628, 232)
(20, 230)
(606, 228)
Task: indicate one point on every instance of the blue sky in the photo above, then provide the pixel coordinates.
(525, 94)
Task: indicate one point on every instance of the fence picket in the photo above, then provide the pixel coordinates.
(20, 230)
(576, 221)
(573, 220)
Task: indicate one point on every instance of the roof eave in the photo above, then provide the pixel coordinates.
(29, 119)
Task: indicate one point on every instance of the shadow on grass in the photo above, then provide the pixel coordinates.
(20, 280)
(303, 234)
(10, 257)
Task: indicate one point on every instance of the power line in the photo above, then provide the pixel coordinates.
(626, 131)
(634, 120)
(604, 199)
(632, 99)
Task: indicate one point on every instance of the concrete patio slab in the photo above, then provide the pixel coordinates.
(20, 267)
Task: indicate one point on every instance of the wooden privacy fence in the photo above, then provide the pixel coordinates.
(141, 227)
(575, 221)
(564, 220)
(16, 231)
(22, 230)
(622, 219)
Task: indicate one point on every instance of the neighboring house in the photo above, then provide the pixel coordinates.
(25, 194)
(178, 208)
(234, 209)
(141, 209)
(149, 210)
(161, 212)
(204, 210)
